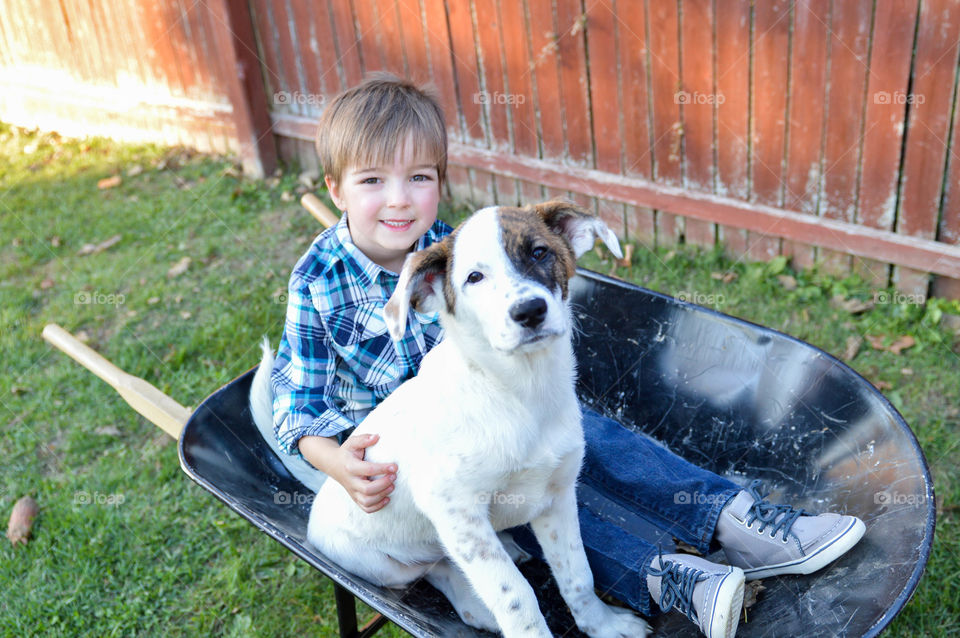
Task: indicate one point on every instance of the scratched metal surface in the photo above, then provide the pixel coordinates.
(737, 398)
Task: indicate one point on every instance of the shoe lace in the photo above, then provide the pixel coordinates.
(676, 585)
(768, 513)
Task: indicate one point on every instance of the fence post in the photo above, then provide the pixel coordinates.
(237, 46)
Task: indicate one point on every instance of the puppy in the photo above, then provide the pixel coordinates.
(487, 436)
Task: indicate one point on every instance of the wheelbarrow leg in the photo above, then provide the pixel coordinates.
(347, 616)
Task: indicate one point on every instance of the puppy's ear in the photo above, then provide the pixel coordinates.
(578, 225)
(420, 286)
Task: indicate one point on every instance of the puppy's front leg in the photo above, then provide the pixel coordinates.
(471, 542)
(558, 532)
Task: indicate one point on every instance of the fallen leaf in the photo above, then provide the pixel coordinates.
(21, 520)
(853, 306)
(883, 385)
(109, 182)
(185, 314)
(108, 430)
(55, 241)
(134, 170)
(153, 300)
(787, 281)
(906, 371)
(751, 592)
(46, 283)
(852, 347)
(93, 249)
(179, 268)
(876, 342)
(901, 344)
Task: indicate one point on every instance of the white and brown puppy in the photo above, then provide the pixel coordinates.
(488, 435)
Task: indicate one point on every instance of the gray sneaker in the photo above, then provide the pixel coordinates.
(770, 540)
(710, 595)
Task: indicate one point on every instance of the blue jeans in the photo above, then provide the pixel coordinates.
(634, 495)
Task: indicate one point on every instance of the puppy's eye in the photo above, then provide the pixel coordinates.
(539, 253)
(474, 277)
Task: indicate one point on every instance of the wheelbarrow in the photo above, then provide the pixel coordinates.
(740, 399)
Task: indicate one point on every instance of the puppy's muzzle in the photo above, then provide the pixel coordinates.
(529, 313)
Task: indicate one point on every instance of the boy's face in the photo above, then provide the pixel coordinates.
(389, 207)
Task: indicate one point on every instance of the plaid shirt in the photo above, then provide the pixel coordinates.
(336, 361)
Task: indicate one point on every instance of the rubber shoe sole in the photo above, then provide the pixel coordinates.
(727, 606)
(818, 559)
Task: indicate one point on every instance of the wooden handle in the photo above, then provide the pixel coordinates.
(157, 407)
(319, 210)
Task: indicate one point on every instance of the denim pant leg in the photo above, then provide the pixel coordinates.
(646, 478)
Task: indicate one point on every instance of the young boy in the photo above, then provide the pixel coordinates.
(383, 148)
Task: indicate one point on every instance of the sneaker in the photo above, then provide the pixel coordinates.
(710, 595)
(770, 540)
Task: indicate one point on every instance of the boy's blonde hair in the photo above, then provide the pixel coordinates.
(365, 125)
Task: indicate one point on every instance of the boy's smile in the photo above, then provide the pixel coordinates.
(389, 206)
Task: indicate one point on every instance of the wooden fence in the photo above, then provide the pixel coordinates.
(819, 129)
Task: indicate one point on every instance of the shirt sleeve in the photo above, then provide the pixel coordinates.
(304, 376)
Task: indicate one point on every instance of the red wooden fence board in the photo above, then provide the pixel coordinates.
(890, 57)
(733, 25)
(771, 44)
(924, 160)
(698, 99)
(808, 74)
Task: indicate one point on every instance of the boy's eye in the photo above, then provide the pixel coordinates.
(421, 178)
(370, 180)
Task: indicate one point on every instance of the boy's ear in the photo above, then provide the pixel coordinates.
(421, 286)
(334, 189)
(578, 225)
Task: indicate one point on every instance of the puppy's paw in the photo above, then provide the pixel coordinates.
(620, 623)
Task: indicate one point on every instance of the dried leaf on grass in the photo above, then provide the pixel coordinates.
(899, 344)
(179, 268)
(21, 520)
(852, 347)
(853, 306)
(93, 249)
(109, 182)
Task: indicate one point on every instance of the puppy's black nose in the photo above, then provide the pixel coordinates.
(529, 313)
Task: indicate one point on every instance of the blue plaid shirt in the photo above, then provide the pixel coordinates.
(336, 361)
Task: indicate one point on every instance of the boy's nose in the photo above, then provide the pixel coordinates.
(397, 195)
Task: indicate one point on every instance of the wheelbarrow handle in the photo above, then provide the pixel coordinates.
(157, 407)
(319, 210)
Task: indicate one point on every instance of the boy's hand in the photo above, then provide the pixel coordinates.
(354, 474)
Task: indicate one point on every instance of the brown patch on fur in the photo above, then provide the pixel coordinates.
(523, 230)
(433, 261)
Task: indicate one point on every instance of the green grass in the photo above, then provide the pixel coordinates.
(125, 544)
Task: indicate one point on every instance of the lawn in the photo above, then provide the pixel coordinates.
(175, 273)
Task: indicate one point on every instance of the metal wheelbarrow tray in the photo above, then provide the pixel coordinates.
(740, 399)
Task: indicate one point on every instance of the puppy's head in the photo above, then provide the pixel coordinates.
(502, 276)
